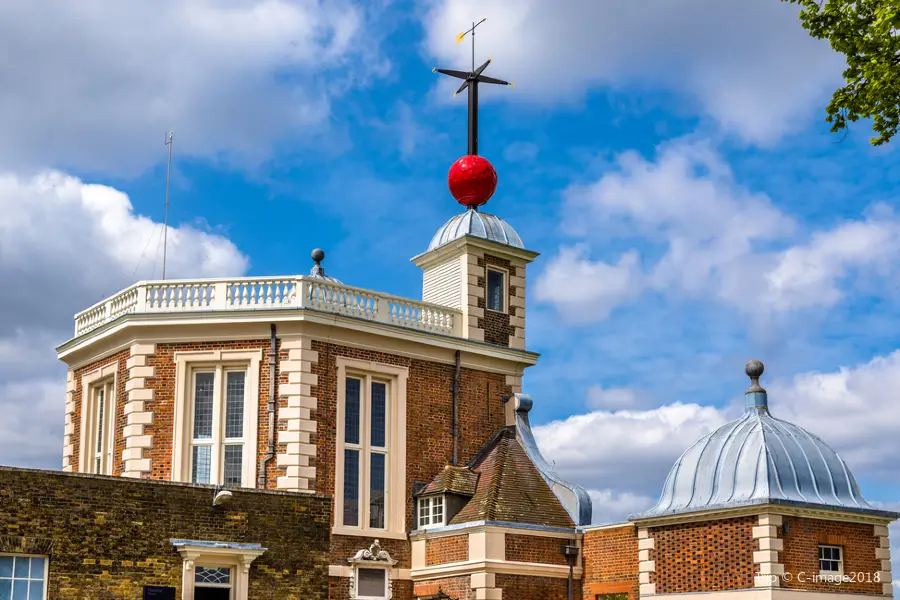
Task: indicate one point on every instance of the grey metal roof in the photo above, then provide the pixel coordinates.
(573, 497)
(478, 224)
(758, 459)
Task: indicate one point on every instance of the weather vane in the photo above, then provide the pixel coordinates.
(471, 80)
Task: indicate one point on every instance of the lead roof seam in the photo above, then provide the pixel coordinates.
(790, 432)
(737, 462)
(722, 451)
(787, 457)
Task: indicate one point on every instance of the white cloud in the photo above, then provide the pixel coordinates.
(95, 84)
(612, 398)
(584, 290)
(717, 239)
(64, 245)
(610, 506)
(750, 65)
(653, 439)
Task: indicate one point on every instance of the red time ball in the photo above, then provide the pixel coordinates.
(472, 180)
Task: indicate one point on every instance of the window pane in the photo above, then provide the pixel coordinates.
(203, 405)
(351, 488)
(437, 510)
(379, 418)
(37, 590)
(233, 467)
(5, 589)
(20, 589)
(495, 290)
(371, 582)
(234, 404)
(351, 413)
(37, 568)
(200, 463)
(100, 414)
(376, 492)
(6, 566)
(21, 568)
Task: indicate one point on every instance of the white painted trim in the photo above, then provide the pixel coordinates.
(755, 510)
(187, 363)
(504, 567)
(395, 495)
(163, 328)
(767, 594)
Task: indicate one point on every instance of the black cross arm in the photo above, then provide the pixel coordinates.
(486, 79)
(452, 73)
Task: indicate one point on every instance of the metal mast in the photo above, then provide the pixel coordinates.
(169, 136)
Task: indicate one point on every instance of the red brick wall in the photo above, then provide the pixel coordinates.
(534, 549)
(801, 554)
(610, 558)
(445, 550)
(163, 404)
(121, 398)
(524, 587)
(459, 588)
(704, 557)
(428, 412)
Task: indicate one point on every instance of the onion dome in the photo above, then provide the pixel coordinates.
(318, 271)
(477, 224)
(758, 459)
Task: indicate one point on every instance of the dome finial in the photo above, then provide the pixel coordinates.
(318, 255)
(756, 397)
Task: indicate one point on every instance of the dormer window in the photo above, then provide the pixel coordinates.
(431, 512)
(496, 290)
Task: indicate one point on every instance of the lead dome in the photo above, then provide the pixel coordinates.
(759, 459)
(476, 224)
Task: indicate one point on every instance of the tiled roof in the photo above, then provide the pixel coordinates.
(452, 480)
(510, 488)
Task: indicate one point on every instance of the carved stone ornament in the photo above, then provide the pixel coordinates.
(374, 556)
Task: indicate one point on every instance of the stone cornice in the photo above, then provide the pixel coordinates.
(756, 509)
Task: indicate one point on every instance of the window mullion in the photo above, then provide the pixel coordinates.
(218, 432)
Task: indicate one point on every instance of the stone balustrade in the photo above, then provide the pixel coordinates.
(259, 293)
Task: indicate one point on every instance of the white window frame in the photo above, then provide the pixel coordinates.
(430, 501)
(840, 561)
(387, 582)
(46, 570)
(187, 364)
(106, 378)
(504, 297)
(395, 464)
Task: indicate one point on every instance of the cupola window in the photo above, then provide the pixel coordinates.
(496, 290)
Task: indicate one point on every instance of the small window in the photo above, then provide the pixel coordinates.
(495, 290)
(431, 512)
(371, 584)
(831, 559)
(23, 577)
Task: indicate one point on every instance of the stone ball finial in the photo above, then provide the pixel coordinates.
(754, 369)
(318, 255)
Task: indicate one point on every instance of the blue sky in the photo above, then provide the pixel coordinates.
(671, 164)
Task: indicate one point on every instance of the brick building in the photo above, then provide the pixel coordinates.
(296, 437)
